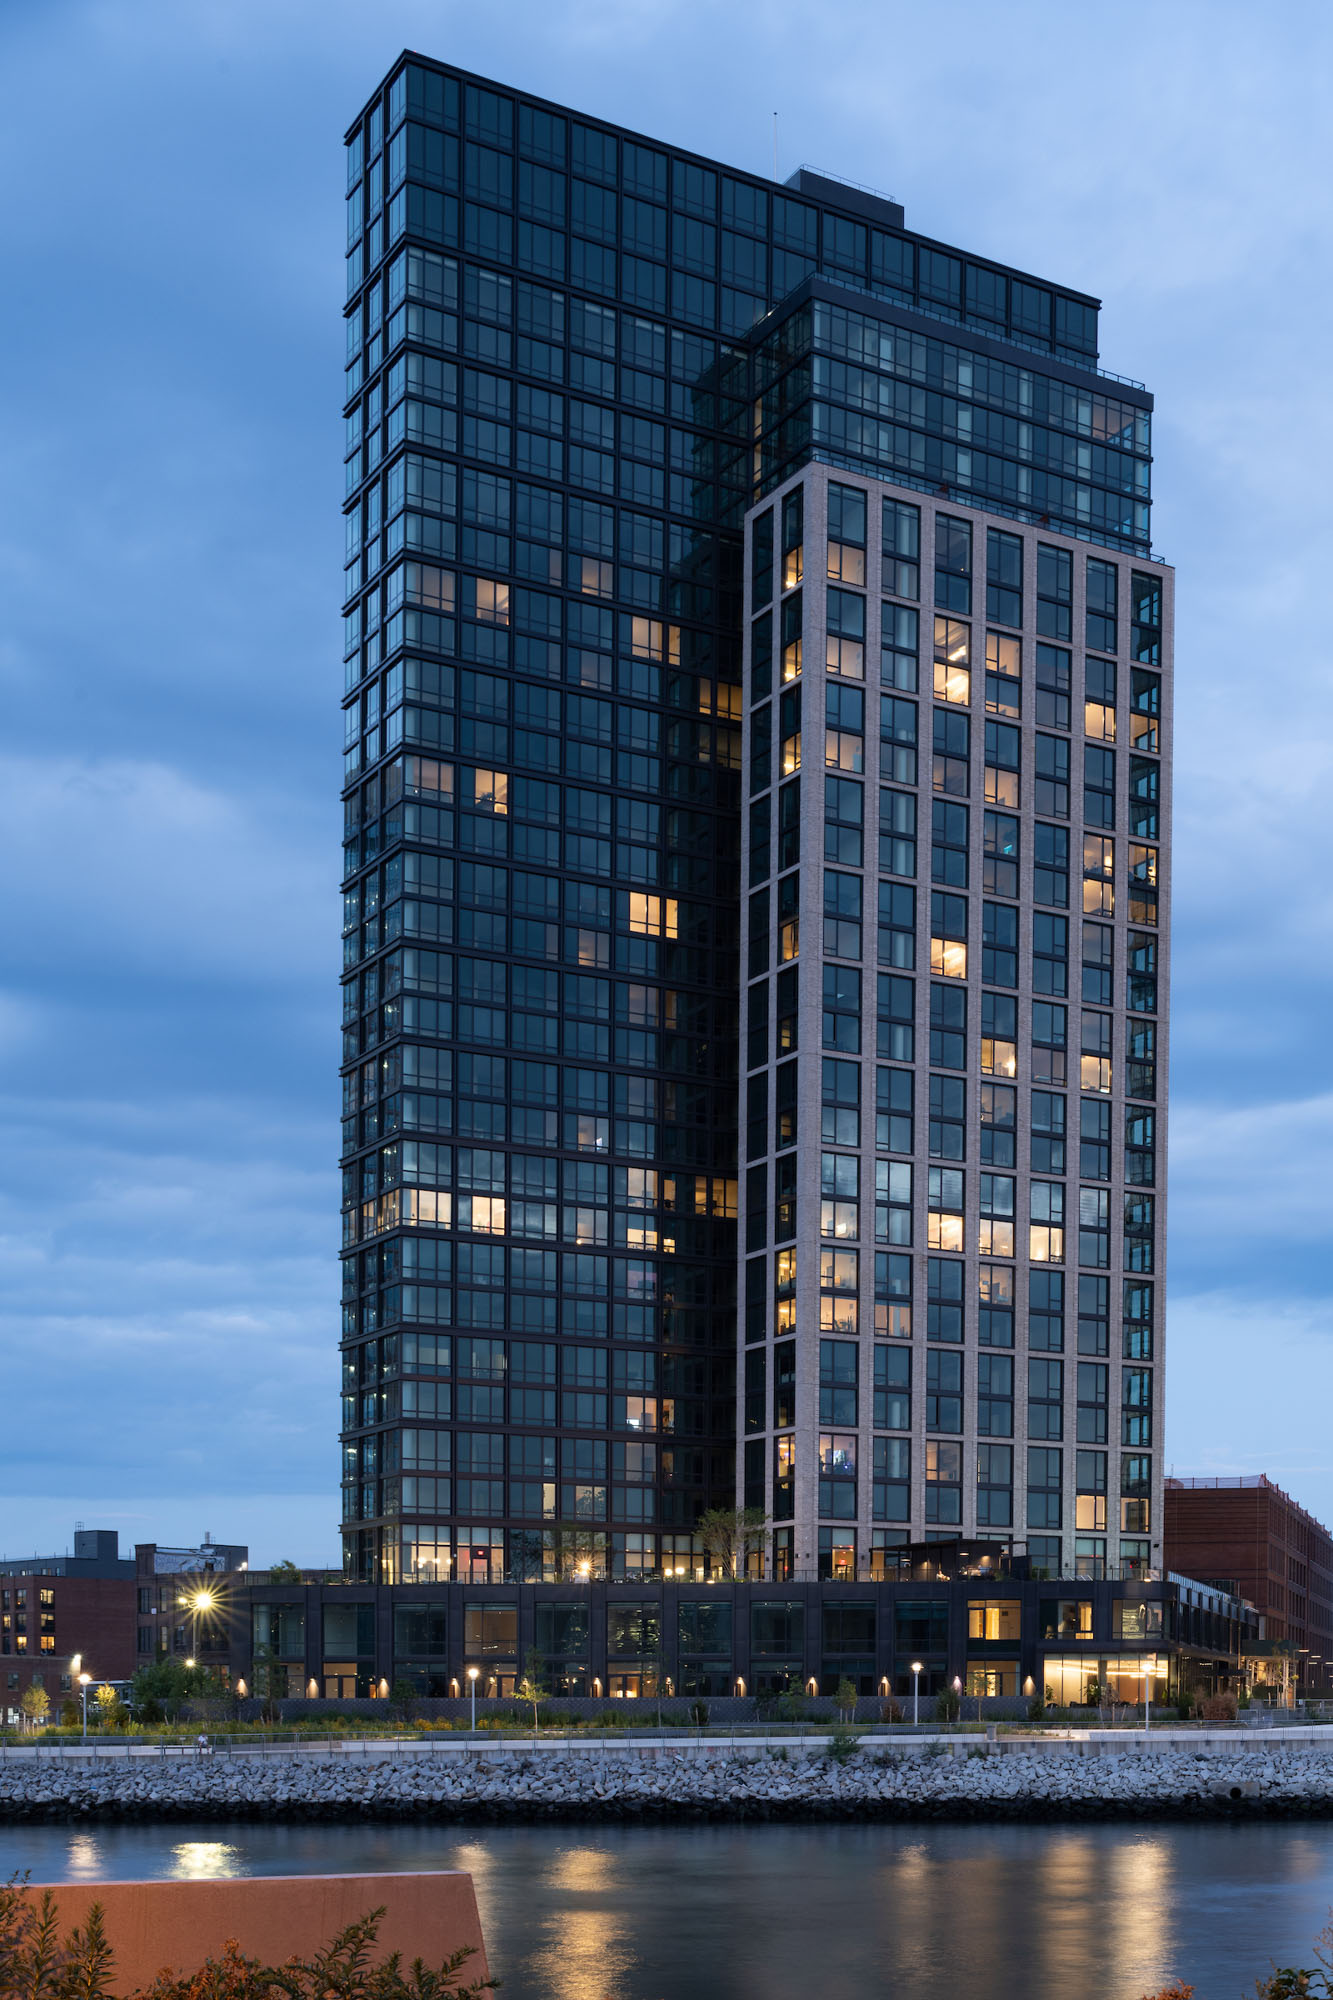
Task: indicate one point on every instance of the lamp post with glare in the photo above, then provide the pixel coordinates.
(200, 1600)
(958, 1690)
(85, 1681)
(916, 1693)
(472, 1674)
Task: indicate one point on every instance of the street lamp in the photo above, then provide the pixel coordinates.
(473, 1673)
(916, 1693)
(958, 1690)
(85, 1681)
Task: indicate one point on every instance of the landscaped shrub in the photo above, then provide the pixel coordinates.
(1220, 1708)
(37, 1963)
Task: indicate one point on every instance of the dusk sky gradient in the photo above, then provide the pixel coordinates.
(170, 654)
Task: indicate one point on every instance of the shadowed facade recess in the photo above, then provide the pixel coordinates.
(644, 458)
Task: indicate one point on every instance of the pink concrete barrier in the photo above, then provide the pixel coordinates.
(177, 1925)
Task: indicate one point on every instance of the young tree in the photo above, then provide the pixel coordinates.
(110, 1708)
(530, 1687)
(268, 1680)
(846, 1699)
(731, 1534)
(285, 1571)
(35, 1703)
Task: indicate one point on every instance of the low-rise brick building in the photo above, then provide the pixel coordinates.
(1247, 1536)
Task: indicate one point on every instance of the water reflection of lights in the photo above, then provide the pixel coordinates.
(587, 1949)
(583, 1869)
(1138, 1912)
(586, 1956)
(204, 1861)
(84, 1861)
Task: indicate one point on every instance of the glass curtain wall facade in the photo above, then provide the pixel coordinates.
(555, 332)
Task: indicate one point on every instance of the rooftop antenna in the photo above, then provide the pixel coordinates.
(775, 145)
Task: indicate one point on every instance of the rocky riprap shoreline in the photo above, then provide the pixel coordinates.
(963, 1781)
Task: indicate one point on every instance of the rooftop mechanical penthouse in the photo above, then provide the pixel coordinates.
(756, 790)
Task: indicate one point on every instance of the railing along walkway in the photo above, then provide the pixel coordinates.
(902, 1740)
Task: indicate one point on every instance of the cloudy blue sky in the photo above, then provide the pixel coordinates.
(169, 564)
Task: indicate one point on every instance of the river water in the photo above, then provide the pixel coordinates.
(745, 1912)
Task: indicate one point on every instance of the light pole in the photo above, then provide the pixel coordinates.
(85, 1681)
(472, 1674)
(916, 1693)
(958, 1690)
(201, 1600)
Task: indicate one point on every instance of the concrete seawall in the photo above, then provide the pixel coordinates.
(957, 1778)
(177, 1925)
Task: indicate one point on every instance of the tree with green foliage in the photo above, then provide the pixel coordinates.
(285, 1571)
(845, 1697)
(111, 1710)
(35, 1703)
(530, 1688)
(730, 1535)
(162, 1687)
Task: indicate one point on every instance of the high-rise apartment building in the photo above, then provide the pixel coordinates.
(716, 546)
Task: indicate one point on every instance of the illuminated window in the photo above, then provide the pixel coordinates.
(1065, 1618)
(1004, 693)
(948, 939)
(1144, 713)
(995, 1236)
(652, 916)
(1099, 703)
(490, 791)
(846, 564)
(492, 601)
(953, 661)
(999, 1031)
(423, 1206)
(651, 640)
(1098, 875)
(944, 1220)
(845, 651)
(994, 1618)
(791, 636)
(1142, 884)
(1046, 1234)
(839, 1188)
(789, 732)
(793, 530)
(592, 577)
(484, 1214)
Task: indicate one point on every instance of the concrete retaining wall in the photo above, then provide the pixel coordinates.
(177, 1925)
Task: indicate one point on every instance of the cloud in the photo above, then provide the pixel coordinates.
(1239, 1371)
(135, 867)
(169, 557)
